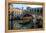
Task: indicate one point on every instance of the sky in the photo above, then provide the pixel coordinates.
(25, 5)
